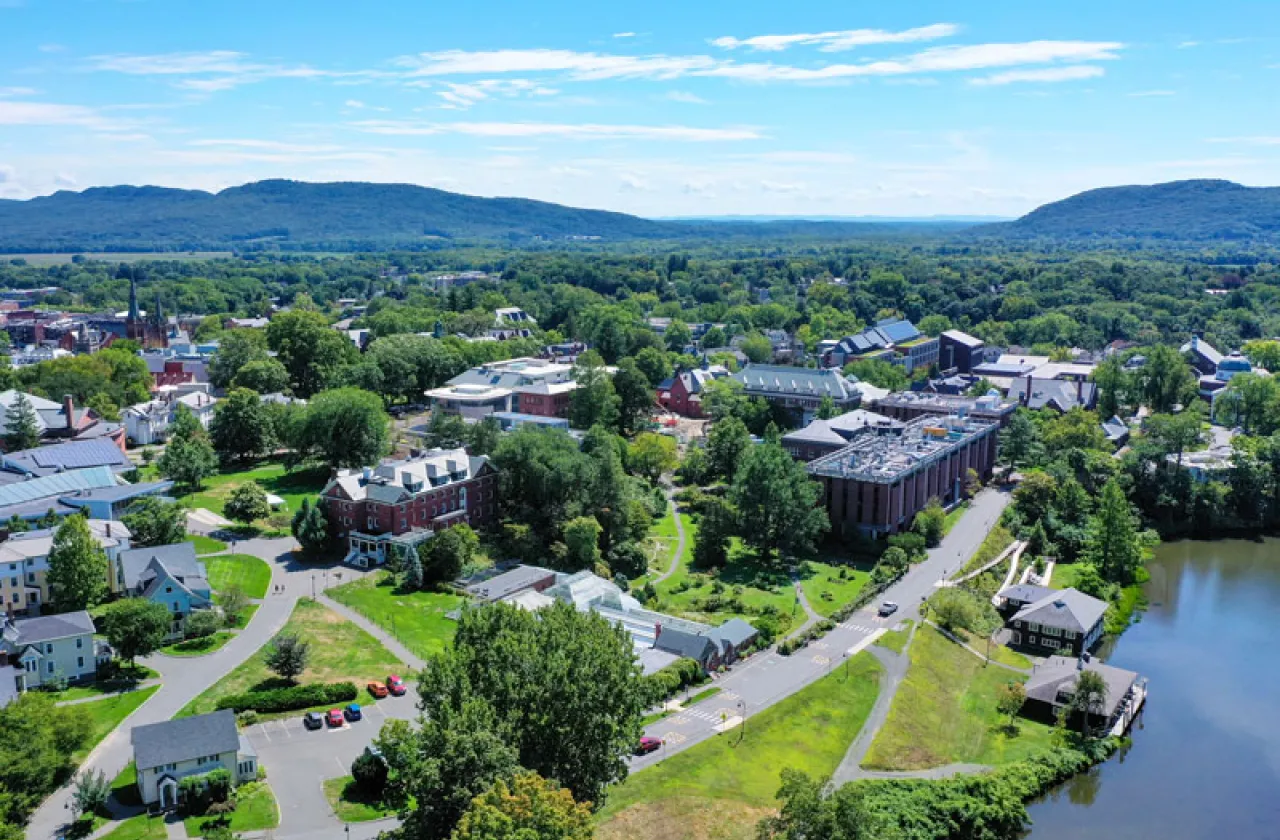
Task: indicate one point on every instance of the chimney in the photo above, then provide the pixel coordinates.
(70, 408)
(1027, 399)
(108, 528)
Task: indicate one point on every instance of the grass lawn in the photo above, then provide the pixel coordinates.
(206, 545)
(997, 541)
(1065, 575)
(255, 811)
(293, 487)
(251, 574)
(953, 516)
(417, 619)
(246, 616)
(826, 590)
(945, 712)
(105, 715)
(340, 651)
(999, 653)
(141, 827)
(349, 804)
(198, 647)
(722, 787)
(896, 640)
(105, 687)
(660, 543)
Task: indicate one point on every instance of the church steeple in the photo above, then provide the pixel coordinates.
(133, 297)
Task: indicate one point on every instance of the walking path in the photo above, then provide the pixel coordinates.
(811, 615)
(138, 686)
(679, 550)
(388, 641)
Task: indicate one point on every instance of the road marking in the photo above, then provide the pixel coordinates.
(728, 695)
(819, 645)
(728, 724)
(339, 763)
(265, 733)
(865, 642)
(821, 660)
(680, 720)
(674, 738)
(285, 727)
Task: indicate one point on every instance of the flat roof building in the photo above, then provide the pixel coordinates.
(878, 483)
(908, 405)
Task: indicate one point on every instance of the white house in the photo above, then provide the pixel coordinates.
(165, 753)
(49, 648)
(24, 562)
(147, 423)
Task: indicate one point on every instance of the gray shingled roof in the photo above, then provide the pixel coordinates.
(179, 559)
(1069, 609)
(172, 741)
(807, 382)
(683, 643)
(34, 630)
(1054, 680)
(1027, 593)
(735, 631)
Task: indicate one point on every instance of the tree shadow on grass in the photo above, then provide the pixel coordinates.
(271, 683)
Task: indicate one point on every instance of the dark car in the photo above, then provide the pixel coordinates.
(353, 712)
(334, 717)
(313, 720)
(648, 745)
(887, 609)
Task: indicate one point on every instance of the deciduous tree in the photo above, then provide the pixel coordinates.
(347, 427)
(135, 627)
(241, 427)
(77, 566)
(152, 521)
(247, 503)
(287, 655)
(777, 503)
(529, 808)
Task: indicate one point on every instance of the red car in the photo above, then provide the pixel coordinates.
(395, 685)
(377, 689)
(648, 745)
(334, 717)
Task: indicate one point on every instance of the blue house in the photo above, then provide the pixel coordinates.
(169, 575)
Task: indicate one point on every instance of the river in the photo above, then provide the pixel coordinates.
(1205, 758)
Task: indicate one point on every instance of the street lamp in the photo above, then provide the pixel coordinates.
(313, 586)
(742, 730)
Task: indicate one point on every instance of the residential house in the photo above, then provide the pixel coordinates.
(24, 563)
(246, 323)
(682, 393)
(166, 574)
(1052, 684)
(1065, 621)
(800, 390)
(49, 649)
(1116, 430)
(166, 753)
(959, 351)
(1060, 395)
(399, 503)
(824, 436)
(148, 423)
(62, 421)
(60, 457)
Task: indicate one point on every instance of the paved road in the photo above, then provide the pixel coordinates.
(769, 677)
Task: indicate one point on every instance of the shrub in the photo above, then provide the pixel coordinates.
(663, 684)
(202, 623)
(247, 718)
(370, 774)
(289, 699)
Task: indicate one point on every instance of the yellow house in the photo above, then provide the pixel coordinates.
(24, 564)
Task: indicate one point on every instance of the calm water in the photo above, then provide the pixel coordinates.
(1205, 760)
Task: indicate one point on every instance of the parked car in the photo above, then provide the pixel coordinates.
(648, 745)
(353, 712)
(313, 720)
(887, 609)
(334, 717)
(395, 685)
(377, 689)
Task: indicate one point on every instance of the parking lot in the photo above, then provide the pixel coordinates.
(298, 760)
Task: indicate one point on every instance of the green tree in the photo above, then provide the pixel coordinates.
(930, 522)
(370, 771)
(482, 437)
(135, 626)
(309, 349)
(104, 407)
(446, 431)
(189, 458)
(1077, 429)
(310, 527)
(234, 603)
(236, 349)
(1088, 698)
(594, 400)
(247, 503)
(447, 554)
(22, 426)
(651, 455)
(152, 521)
(1165, 380)
(955, 609)
(726, 443)
(264, 376)
(1019, 442)
(756, 348)
(934, 325)
(808, 813)
(777, 503)
(1249, 400)
(411, 364)
(242, 427)
(1114, 386)
(530, 808)
(678, 336)
(347, 427)
(879, 373)
(654, 364)
(287, 656)
(635, 395)
(1264, 353)
(716, 527)
(1174, 434)
(1113, 544)
(1009, 700)
(582, 539)
(827, 408)
(90, 793)
(77, 566)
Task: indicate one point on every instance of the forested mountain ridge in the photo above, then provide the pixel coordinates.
(1200, 210)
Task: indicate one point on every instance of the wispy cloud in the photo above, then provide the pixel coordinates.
(462, 95)
(579, 65)
(624, 34)
(1253, 140)
(563, 130)
(267, 145)
(685, 97)
(216, 70)
(841, 40)
(1042, 75)
(47, 113)
(17, 91)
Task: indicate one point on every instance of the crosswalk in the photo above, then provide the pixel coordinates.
(861, 628)
(700, 714)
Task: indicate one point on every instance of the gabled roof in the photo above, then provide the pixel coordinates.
(172, 741)
(1062, 394)
(45, 628)
(1067, 609)
(1054, 680)
(783, 379)
(178, 560)
(839, 430)
(1026, 593)
(735, 632)
(1203, 349)
(684, 643)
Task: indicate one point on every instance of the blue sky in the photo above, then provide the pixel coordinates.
(656, 108)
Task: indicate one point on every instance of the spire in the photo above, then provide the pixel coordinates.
(158, 318)
(133, 297)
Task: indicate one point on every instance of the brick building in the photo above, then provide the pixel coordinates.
(397, 504)
(878, 483)
(544, 399)
(682, 393)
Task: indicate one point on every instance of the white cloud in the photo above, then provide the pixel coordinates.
(62, 179)
(1255, 140)
(1046, 74)
(353, 103)
(685, 96)
(567, 131)
(17, 91)
(624, 34)
(46, 113)
(579, 65)
(836, 41)
(460, 95)
(267, 145)
(635, 183)
(1186, 45)
(216, 70)
(781, 186)
(6, 174)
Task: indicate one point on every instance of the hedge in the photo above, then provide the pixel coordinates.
(664, 683)
(289, 699)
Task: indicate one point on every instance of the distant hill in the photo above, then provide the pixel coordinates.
(1180, 210)
(335, 214)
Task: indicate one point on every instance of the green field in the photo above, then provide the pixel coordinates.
(945, 712)
(251, 574)
(198, 647)
(106, 714)
(997, 541)
(826, 590)
(896, 640)
(661, 542)
(416, 619)
(256, 810)
(349, 805)
(141, 827)
(722, 787)
(293, 487)
(340, 651)
(206, 545)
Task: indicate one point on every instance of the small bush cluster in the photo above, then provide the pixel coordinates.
(817, 631)
(288, 699)
(665, 683)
